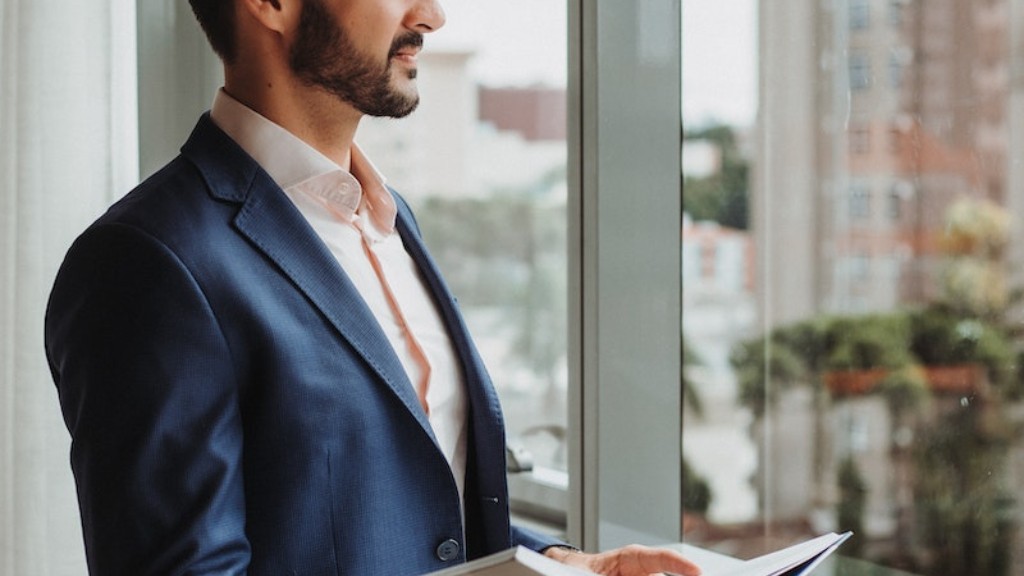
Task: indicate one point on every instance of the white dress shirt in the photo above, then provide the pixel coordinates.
(354, 214)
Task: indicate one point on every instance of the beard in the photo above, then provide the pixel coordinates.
(324, 57)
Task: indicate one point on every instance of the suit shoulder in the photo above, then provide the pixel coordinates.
(175, 182)
(172, 204)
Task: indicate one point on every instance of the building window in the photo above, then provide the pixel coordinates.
(896, 67)
(860, 71)
(860, 14)
(860, 202)
(900, 193)
(860, 267)
(900, 59)
(860, 139)
(896, 137)
(895, 211)
(897, 10)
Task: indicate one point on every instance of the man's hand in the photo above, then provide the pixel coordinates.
(632, 560)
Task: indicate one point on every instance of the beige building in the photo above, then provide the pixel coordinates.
(874, 116)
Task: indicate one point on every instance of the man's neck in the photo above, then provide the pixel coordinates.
(313, 115)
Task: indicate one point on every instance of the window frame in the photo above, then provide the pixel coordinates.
(625, 152)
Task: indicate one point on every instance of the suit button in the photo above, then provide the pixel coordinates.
(448, 550)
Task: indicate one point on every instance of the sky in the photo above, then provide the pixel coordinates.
(719, 62)
(522, 42)
(518, 42)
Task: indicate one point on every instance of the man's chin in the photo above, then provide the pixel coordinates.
(409, 109)
(399, 106)
(407, 93)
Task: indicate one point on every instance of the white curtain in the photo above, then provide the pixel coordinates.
(68, 145)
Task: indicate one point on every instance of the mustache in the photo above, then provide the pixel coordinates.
(407, 40)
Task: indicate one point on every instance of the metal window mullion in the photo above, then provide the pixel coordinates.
(625, 177)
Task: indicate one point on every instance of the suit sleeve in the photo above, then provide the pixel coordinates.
(533, 540)
(149, 394)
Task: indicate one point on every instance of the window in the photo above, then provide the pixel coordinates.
(860, 14)
(860, 139)
(896, 66)
(859, 267)
(896, 137)
(896, 12)
(899, 194)
(860, 71)
(483, 161)
(856, 390)
(600, 314)
(860, 202)
(900, 58)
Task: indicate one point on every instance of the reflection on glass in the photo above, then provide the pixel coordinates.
(867, 376)
(483, 162)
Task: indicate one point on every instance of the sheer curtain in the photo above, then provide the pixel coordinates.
(68, 143)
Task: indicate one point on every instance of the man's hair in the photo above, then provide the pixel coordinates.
(217, 18)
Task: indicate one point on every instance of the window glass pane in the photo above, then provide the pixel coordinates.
(868, 376)
(483, 163)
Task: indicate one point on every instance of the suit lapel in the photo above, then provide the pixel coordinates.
(486, 484)
(275, 227)
(487, 419)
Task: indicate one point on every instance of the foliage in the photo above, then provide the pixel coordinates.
(904, 390)
(853, 491)
(863, 342)
(976, 227)
(949, 452)
(898, 341)
(691, 397)
(959, 449)
(762, 369)
(965, 517)
(721, 197)
(696, 491)
(939, 336)
(977, 286)
(517, 268)
(977, 232)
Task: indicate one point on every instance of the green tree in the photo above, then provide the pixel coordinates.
(852, 500)
(723, 196)
(696, 492)
(507, 252)
(691, 397)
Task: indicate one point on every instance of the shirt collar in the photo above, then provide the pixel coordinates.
(298, 167)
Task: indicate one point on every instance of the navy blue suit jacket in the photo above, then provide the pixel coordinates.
(233, 405)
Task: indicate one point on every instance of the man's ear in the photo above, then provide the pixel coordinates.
(276, 15)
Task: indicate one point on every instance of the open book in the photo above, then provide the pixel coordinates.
(797, 560)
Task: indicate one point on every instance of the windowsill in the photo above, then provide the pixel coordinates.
(539, 499)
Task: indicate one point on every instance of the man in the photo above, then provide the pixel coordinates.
(261, 369)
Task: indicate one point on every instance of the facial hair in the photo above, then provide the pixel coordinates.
(325, 57)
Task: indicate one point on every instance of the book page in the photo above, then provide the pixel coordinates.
(782, 561)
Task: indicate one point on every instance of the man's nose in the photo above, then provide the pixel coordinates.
(426, 16)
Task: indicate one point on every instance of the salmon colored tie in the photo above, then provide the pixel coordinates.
(417, 352)
(410, 339)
